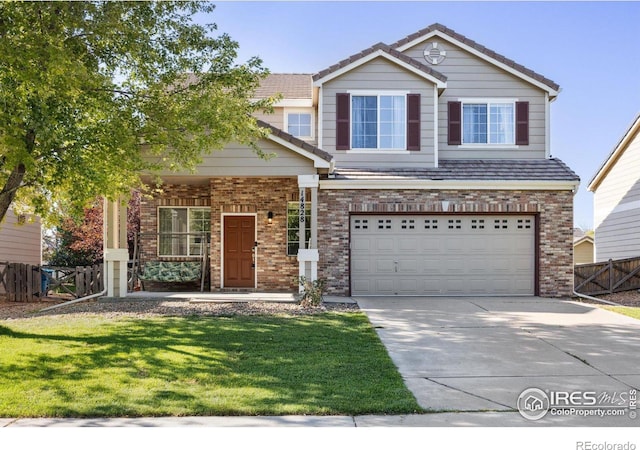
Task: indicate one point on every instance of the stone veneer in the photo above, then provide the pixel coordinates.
(554, 210)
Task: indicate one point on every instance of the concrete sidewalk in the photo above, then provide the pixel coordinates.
(469, 419)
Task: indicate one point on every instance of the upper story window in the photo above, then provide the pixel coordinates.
(378, 122)
(299, 124)
(480, 122)
(183, 231)
(488, 123)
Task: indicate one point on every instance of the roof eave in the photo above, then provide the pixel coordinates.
(376, 54)
(553, 92)
(320, 158)
(613, 157)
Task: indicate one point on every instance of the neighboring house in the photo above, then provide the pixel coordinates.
(417, 168)
(20, 239)
(583, 250)
(616, 199)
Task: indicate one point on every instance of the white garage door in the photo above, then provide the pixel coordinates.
(442, 255)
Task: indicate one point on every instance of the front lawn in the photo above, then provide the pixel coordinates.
(626, 310)
(88, 366)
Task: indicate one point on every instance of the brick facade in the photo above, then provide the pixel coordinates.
(554, 209)
(257, 196)
(170, 195)
(277, 272)
(225, 195)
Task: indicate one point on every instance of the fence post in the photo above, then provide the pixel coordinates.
(610, 276)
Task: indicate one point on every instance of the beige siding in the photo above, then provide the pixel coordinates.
(276, 118)
(379, 74)
(20, 243)
(471, 77)
(583, 253)
(617, 207)
(240, 160)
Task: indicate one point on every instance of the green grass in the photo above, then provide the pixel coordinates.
(331, 363)
(626, 310)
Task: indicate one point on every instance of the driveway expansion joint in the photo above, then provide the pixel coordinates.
(469, 393)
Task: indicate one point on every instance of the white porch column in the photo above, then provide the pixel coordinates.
(308, 257)
(116, 253)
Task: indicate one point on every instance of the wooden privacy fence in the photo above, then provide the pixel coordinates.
(26, 282)
(607, 277)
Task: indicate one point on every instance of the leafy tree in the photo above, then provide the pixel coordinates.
(92, 94)
(79, 243)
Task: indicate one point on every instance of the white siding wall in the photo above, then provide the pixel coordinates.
(469, 76)
(20, 243)
(617, 207)
(379, 74)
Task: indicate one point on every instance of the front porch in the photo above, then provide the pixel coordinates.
(250, 234)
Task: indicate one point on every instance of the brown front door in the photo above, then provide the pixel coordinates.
(239, 240)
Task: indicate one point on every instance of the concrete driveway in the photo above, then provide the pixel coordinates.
(481, 353)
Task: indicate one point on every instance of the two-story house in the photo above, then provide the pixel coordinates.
(421, 167)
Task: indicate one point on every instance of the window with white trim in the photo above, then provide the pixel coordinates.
(183, 231)
(378, 122)
(488, 122)
(293, 226)
(300, 125)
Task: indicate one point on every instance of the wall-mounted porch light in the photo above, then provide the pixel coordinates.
(270, 217)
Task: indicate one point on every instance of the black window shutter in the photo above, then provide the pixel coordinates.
(413, 122)
(522, 123)
(342, 121)
(455, 123)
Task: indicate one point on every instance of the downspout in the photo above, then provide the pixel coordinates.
(77, 300)
(104, 245)
(595, 299)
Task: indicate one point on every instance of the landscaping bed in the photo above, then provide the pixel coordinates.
(626, 298)
(162, 306)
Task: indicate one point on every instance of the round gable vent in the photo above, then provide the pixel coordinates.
(434, 53)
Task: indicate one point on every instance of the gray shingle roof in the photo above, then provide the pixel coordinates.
(453, 169)
(295, 141)
(481, 48)
(387, 49)
(290, 85)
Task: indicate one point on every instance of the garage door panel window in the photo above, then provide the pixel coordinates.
(431, 224)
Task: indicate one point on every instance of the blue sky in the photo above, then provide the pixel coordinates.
(591, 49)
